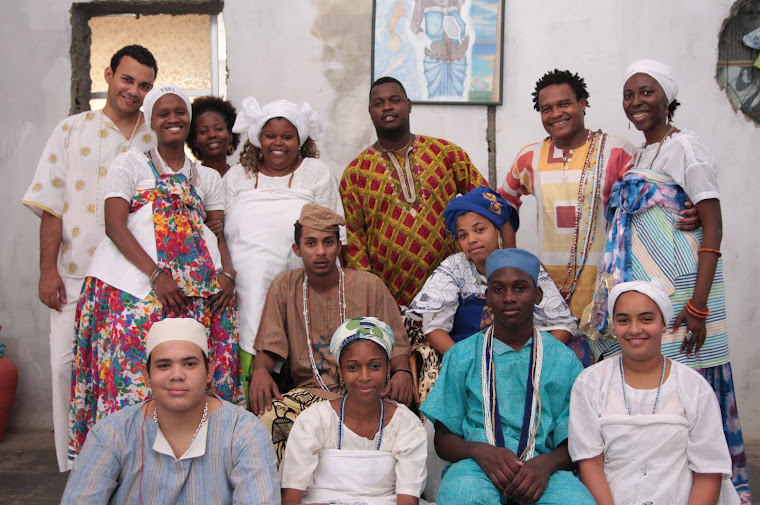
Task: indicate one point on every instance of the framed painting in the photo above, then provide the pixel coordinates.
(443, 51)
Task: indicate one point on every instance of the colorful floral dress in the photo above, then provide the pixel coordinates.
(109, 348)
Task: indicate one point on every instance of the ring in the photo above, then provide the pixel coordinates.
(689, 334)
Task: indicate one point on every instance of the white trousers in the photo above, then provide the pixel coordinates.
(61, 358)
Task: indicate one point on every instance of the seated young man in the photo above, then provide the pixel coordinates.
(302, 310)
(180, 446)
(500, 405)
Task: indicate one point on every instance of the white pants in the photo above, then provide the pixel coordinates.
(61, 357)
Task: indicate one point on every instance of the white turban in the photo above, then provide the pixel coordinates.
(660, 72)
(170, 329)
(252, 118)
(654, 289)
(157, 92)
(370, 328)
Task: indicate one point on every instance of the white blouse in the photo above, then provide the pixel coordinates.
(316, 428)
(598, 393)
(687, 161)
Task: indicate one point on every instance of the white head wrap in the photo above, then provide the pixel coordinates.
(370, 328)
(654, 289)
(252, 118)
(176, 328)
(660, 72)
(157, 92)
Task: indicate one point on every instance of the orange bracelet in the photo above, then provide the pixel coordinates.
(714, 251)
(695, 312)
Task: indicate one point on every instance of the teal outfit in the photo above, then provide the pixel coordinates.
(457, 402)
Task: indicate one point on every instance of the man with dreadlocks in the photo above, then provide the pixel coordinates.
(570, 173)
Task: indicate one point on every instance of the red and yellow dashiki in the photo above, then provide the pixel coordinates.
(538, 170)
(403, 242)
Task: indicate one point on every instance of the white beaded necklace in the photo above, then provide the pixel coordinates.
(306, 319)
(203, 420)
(625, 395)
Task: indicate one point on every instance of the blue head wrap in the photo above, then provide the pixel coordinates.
(517, 258)
(484, 201)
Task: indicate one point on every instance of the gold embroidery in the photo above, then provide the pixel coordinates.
(91, 250)
(79, 185)
(85, 151)
(53, 158)
(65, 247)
(37, 187)
(65, 206)
(72, 268)
(58, 183)
(103, 133)
(89, 115)
(102, 171)
(91, 208)
(124, 149)
(65, 127)
(147, 138)
(75, 231)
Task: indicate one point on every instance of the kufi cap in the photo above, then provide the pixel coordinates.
(320, 218)
(516, 258)
(654, 289)
(252, 118)
(369, 328)
(157, 92)
(176, 328)
(660, 72)
(484, 201)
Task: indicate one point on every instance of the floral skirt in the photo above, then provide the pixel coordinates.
(109, 349)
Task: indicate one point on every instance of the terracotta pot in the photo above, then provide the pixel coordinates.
(8, 383)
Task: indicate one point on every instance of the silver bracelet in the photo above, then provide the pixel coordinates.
(154, 276)
(229, 276)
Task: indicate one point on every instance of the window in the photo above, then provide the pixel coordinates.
(737, 73)
(189, 46)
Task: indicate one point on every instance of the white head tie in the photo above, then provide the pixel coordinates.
(661, 72)
(170, 329)
(157, 92)
(252, 118)
(654, 289)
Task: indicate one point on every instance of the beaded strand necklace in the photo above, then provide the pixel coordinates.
(379, 430)
(625, 395)
(306, 320)
(574, 266)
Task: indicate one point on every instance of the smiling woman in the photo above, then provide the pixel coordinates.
(159, 260)
(277, 175)
(211, 138)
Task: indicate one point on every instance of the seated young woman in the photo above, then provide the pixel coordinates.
(359, 447)
(452, 301)
(644, 428)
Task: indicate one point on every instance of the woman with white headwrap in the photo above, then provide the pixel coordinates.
(644, 428)
(358, 448)
(277, 175)
(159, 260)
(643, 243)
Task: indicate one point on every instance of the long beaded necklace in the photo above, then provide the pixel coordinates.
(574, 266)
(657, 152)
(101, 135)
(164, 169)
(625, 395)
(203, 420)
(379, 429)
(306, 320)
(405, 176)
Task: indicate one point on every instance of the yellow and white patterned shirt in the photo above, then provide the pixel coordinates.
(70, 182)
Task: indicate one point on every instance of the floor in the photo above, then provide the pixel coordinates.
(29, 473)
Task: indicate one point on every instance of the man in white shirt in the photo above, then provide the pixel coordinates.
(67, 194)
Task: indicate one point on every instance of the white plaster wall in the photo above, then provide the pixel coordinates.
(319, 51)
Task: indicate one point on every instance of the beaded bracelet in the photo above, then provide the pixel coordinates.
(229, 276)
(714, 251)
(154, 276)
(696, 312)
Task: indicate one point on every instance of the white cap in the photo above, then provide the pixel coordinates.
(176, 328)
